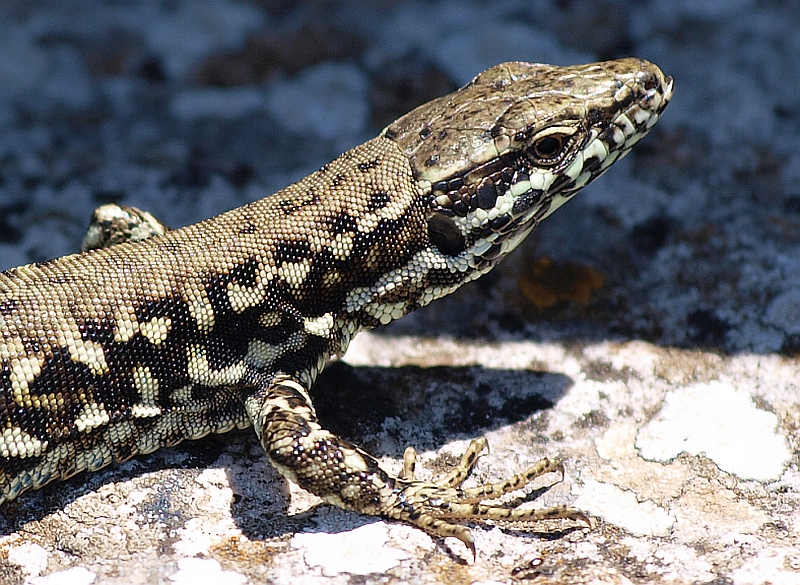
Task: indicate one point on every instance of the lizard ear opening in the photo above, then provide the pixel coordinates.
(446, 235)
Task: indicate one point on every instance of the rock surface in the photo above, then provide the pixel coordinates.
(649, 336)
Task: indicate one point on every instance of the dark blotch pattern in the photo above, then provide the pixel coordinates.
(378, 200)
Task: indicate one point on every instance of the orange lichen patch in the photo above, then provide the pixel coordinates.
(238, 552)
(546, 283)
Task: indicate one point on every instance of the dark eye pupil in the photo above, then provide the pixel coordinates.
(547, 147)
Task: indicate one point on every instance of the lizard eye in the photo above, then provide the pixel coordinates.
(551, 145)
(446, 235)
(548, 147)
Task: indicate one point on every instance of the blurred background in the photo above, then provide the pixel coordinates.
(190, 108)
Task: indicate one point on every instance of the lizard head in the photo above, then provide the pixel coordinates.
(496, 157)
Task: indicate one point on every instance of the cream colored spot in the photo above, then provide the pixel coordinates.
(87, 352)
(261, 354)
(295, 273)
(319, 326)
(182, 395)
(271, 319)
(24, 371)
(147, 386)
(625, 124)
(575, 168)
(200, 309)
(367, 224)
(92, 415)
(354, 461)
(200, 371)
(125, 330)
(342, 246)
(395, 209)
(14, 442)
(10, 347)
(243, 297)
(156, 330)
(619, 136)
(303, 391)
(523, 186)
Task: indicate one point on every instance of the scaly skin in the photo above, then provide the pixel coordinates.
(154, 336)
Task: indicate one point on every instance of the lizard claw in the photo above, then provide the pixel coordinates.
(437, 506)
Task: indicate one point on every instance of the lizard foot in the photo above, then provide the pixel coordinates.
(434, 506)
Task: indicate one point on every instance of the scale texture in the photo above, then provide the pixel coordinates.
(153, 336)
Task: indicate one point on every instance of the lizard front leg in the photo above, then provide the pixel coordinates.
(114, 224)
(348, 477)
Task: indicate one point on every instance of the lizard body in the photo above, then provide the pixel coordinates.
(152, 336)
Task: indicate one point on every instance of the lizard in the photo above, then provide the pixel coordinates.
(152, 336)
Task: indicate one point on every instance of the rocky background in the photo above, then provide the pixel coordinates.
(649, 334)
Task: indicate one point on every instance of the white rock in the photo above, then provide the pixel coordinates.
(360, 551)
(192, 571)
(31, 558)
(723, 423)
(622, 508)
(73, 576)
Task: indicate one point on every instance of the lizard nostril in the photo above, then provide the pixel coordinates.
(650, 80)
